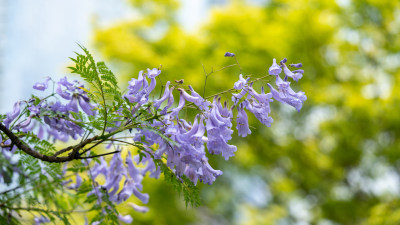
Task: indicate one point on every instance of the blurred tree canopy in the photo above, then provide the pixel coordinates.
(335, 162)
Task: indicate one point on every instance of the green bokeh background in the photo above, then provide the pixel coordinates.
(335, 162)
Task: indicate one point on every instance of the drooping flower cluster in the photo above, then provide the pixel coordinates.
(285, 93)
(59, 123)
(212, 127)
(184, 144)
(114, 173)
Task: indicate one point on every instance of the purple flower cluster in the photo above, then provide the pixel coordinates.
(139, 89)
(285, 93)
(115, 172)
(41, 220)
(212, 127)
(59, 123)
(167, 136)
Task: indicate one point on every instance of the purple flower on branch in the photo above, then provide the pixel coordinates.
(42, 86)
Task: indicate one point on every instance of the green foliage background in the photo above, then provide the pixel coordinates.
(322, 165)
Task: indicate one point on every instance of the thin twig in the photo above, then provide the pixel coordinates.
(205, 81)
(88, 149)
(42, 210)
(95, 156)
(238, 64)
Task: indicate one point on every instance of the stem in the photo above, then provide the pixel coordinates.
(95, 156)
(237, 62)
(41, 210)
(91, 147)
(162, 86)
(205, 81)
(133, 144)
(212, 71)
(232, 89)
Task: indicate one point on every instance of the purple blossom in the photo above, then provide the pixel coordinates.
(157, 103)
(286, 95)
(63, 93)
(170, 102)
(7, 152)
(41, 220)
(228, 54)
(136, 84)
(208, 174)
(240, 83)
(242, 123)
(236, 97)
(260, 111)
(57, 135)
(297, 65)
(137, 89)
(35, 109)
(78, 182)
(150, 166)
(262, 98)
(225, 111)
(73, 104)
(142, 209)
(42, 86)
(24, 123)
(219, 132)
(193, 173)
(59, 107)
(61, 127)
(275, 69)
(175, 111)
(101, 168)
(85, 105)
(193, 92)
(153, 73)
(40, 134)
(298, 71)
(217, 145)
(126, 219)
(294, 76)
(64, 82)
(12, 115)
(114, 172)
(195, 98)
(133, 172)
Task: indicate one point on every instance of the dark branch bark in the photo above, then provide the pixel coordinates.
(54, 158)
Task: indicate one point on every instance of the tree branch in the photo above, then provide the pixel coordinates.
(22, 146)
(55, 158)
